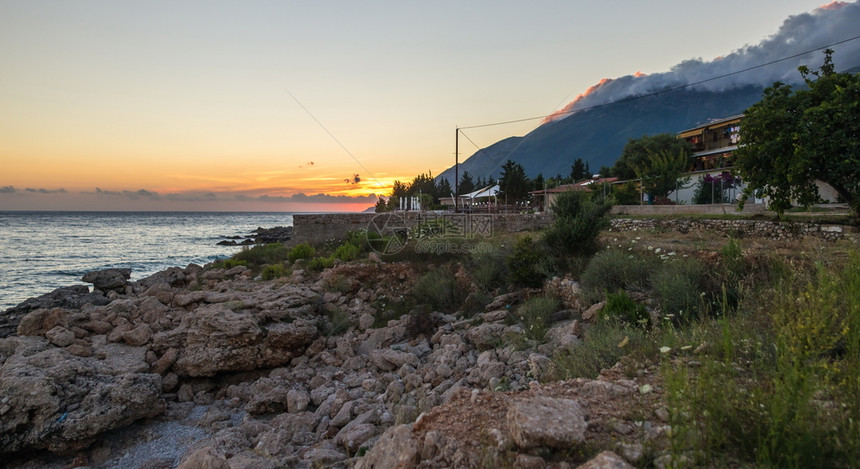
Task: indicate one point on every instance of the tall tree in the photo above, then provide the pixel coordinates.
(636, 152)
(467, 185)
(790, 139)
(579, 170)
(513, 184)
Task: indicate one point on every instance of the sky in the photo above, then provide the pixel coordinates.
(308, 106)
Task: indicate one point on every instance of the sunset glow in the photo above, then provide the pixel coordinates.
(285, 106)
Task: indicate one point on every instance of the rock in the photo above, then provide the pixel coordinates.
(389, 359)
(108, 279)
(297, 401)
(606, 460)
(59, 401)
(395, 449)
(165, 361)
(545, 421)
(591, 313)
(354, 436)
(204, 458)
(40, 321)
(60, 336)
(267, 396)
(324, 456)
(527, 461)
(601, 389)
(137, 336)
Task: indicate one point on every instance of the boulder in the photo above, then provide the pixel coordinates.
(59, 401)
(108, 279)
(395, 449)
(545, 421)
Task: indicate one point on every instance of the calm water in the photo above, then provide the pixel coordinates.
(41, 251)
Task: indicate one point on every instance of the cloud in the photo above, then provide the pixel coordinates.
(133, 195)
(47, 191)
(8, 190)
(831, 23)
(316, 198)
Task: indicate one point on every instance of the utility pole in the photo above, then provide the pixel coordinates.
(456, 169)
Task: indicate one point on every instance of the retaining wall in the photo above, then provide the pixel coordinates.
(738, 228)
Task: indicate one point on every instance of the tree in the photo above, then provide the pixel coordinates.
(636, 152)
(578, 217)
(661, 172)
(513, 185)
(467, 185)
(579, 170)
(790, 139)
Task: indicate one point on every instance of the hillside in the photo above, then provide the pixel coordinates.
(598, 135)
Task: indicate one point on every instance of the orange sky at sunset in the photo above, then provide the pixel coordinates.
(276, 105)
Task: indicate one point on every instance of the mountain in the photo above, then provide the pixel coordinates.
(598, 123)
(598, 135)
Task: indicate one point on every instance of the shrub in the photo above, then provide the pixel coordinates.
(524, 263)
(273, 271)
(301, 251)
(578, 219)
(679, 287)
(319, 263)
(260, 255)
(619, 305)
(613, 269)
(490, 271)
(347, 252)
(598, 349)
(783, 393)
(535, 314)
(438, 289)
(230, 263)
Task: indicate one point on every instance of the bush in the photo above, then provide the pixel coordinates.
(439, 289)
(347, 252)
(230, 263)
(535, 313)
(490, 271)
(598, 349)
(679, 287)
(578, 219)
(524, 264)
(273, 271)
(301, 251)
(619, 305)
(319, 263)
(612, 269)
(260, 255)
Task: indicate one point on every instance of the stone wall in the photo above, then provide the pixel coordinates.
(738, 228)
(318, 228)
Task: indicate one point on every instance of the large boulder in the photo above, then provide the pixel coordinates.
(108, 279)
(52, 399)
(214, 339)
(545, 421)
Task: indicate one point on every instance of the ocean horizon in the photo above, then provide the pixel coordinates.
(46, 250)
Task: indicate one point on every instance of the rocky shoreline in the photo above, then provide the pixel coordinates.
(208, 367)
(278, 234)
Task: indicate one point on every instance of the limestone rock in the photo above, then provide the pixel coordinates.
(204, 458)
(606, 460)
(546, 421)
(108, 279)
(395, 449)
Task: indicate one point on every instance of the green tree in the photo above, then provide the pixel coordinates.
(467, 184)
(514, 184)
(578, 217)
(636, 152)
(661, 172)
(579, 170)
(790, 139)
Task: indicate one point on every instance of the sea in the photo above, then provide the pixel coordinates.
(42, 251)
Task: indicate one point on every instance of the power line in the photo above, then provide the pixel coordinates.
(665, 90)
